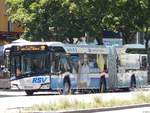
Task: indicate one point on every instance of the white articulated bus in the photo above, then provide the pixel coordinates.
(35, 66)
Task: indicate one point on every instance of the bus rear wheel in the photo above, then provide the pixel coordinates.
(29, 92)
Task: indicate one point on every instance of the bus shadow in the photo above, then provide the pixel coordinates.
(10, 93)
(44, 94)
(4, 96)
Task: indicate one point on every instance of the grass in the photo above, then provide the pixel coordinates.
(97, 102)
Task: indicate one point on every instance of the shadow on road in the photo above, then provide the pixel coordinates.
(18, 93)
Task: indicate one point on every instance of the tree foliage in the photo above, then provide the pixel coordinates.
(42, 19)
(128, 17)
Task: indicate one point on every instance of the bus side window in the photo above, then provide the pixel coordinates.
(94, 68)
(18, 72)
(74, 60)
(64, 62)
(55, 63)
(18, 66)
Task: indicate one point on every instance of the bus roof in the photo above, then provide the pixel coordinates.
(138, 46)
(88, 49)
(23, 44)
(55, 44)
(75, 48)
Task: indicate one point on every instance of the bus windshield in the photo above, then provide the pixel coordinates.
(36, 63)
(30, 63)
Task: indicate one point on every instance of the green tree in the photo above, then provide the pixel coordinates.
(36, 16)
(42, 19)
(128, 17)
(39, 16)
(69, 18)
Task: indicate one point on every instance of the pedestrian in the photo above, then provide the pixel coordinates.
(133, 80)
(103, 74)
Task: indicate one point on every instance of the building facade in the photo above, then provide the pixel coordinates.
(8, 30)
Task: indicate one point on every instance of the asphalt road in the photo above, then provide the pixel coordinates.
(10, 100)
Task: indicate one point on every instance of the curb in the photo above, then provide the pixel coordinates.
(95, 109)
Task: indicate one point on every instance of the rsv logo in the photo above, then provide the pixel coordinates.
(39, 80)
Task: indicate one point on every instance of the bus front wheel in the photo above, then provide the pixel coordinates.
(29, 92)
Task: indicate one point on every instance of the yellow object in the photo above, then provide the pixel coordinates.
(100, 62)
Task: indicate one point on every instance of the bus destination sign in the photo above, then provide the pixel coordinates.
(32, 48)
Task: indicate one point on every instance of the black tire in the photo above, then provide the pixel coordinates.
(66, 88)
(102, 84)
(29, 92)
